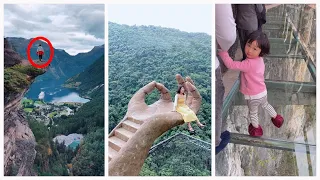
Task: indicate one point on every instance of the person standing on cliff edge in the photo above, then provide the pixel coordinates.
(40, 52)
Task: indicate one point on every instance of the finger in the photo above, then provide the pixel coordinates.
(195, 99)
(193, 90)
(189, 80)
(189, 95)
(165, 94)
(180, 80)
(140, 95)
(168, 119)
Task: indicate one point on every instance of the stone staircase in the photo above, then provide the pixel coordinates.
(121, 134)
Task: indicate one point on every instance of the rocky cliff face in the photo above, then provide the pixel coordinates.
(19, 141)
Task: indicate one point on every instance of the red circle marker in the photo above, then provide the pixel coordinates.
(51, 52)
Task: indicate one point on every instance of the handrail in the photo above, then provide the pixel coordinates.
(230, 97)
(154, 147)
(309, 60)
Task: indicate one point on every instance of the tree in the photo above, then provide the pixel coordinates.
(90, 160)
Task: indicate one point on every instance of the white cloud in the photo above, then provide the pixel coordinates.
(74, 28)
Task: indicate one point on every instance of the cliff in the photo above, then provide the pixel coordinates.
(19, 141)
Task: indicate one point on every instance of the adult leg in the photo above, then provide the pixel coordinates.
(219, 101)
(221, 139)
(243, 37)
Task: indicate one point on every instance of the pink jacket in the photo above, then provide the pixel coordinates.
(252, 76)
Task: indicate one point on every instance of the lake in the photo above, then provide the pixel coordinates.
(54, 92)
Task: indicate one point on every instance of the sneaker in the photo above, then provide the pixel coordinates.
(225, 139)
(256, 132)
(277, 121)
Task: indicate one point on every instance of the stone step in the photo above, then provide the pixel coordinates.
(111, 153)
(130, 126)
(135, 120)
(116, 143)
(123, 134)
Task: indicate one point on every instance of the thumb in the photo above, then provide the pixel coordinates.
(170, 119)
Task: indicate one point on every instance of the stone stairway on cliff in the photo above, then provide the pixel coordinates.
(290, 74)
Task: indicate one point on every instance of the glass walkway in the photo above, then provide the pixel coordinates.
(291, 82)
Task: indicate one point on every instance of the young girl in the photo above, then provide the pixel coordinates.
(187, 114)
(252, 80)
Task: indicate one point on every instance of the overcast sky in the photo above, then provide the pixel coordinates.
(74, 28)
(189, 18)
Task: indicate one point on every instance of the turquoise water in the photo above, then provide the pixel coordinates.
(74, 144)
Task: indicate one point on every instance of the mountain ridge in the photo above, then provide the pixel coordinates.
(62, 61)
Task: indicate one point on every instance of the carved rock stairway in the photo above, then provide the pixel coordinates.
(121, 134)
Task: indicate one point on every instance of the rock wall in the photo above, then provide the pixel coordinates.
(19, 141)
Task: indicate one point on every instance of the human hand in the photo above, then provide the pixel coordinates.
(138, 109)
(157, 118)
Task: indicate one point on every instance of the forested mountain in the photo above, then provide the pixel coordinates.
(141, 54)
(63, 65)
(91, 81)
